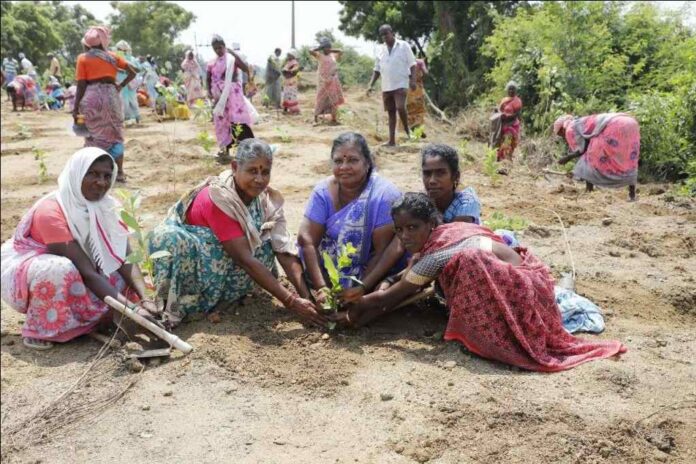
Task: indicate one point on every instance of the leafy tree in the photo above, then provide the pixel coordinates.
(27, 27)
(71, 23)
(412, 20)
(457, 66)
(152, 27)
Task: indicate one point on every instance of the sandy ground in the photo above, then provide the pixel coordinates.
(260, 387)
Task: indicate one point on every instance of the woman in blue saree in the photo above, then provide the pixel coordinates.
(350, 207)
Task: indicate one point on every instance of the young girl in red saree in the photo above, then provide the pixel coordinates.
(501, 300)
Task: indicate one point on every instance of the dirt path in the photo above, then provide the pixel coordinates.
(262, 388)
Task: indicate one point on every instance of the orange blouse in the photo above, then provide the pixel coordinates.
(89, 68)
(49, 225)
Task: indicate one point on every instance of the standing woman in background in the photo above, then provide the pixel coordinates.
(192, 78)
(231, 115)
(290, 82)
(329, 92)
(273, 73)
(97, 97)
(508, 131)
(129, 97)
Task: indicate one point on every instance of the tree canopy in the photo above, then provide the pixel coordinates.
(152, 28)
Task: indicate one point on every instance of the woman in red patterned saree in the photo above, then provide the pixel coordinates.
(501, 300)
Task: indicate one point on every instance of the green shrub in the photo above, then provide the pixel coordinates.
(664, 146)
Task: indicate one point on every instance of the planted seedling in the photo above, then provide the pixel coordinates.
(334, 270)
(140, 255)
(284, 136)
(202, 111)
(205, 140)
(40, 156)
(500, 221)
(491, 166)
(417, 133)
(24, 133)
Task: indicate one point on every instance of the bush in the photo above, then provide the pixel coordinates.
(599, 57)
(664, 146)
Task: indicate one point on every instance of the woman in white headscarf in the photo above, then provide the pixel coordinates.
(68, 253)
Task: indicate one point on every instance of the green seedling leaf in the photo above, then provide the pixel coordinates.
(331, 325)
(130, 220)
(135, 257)
(331, 270)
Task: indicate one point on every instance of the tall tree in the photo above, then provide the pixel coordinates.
(27, 27)
(412, 20)
(71, 22)
(152, 28)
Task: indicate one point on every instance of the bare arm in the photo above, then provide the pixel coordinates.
(80, 92)
(371, 306)
(208, 78)
(238, 249)
(373, 79)
(468, 219)
(131, 75)
(412, 78)
(309, 237)
(388, 250)
(94, 280)
(241, 64)
(293, 269)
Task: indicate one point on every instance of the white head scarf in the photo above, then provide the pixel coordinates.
(94, 224)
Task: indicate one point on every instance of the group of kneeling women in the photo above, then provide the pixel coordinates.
(69, 252)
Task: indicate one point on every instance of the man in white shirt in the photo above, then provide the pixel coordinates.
(27, 66)
(397, 66)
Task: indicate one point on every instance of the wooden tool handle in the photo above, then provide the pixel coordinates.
(172, 339)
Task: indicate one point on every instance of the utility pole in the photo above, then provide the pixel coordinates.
(292, 39)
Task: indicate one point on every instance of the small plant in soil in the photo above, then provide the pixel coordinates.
(40, 157)
(500, 221)
(491, 166)
(205, 140)
(334, 270)
(465, 158)
(284, 136)
(202, 111)
(130, 205)
(24, 133)
(417, 133)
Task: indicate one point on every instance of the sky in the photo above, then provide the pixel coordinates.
(259, 27)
